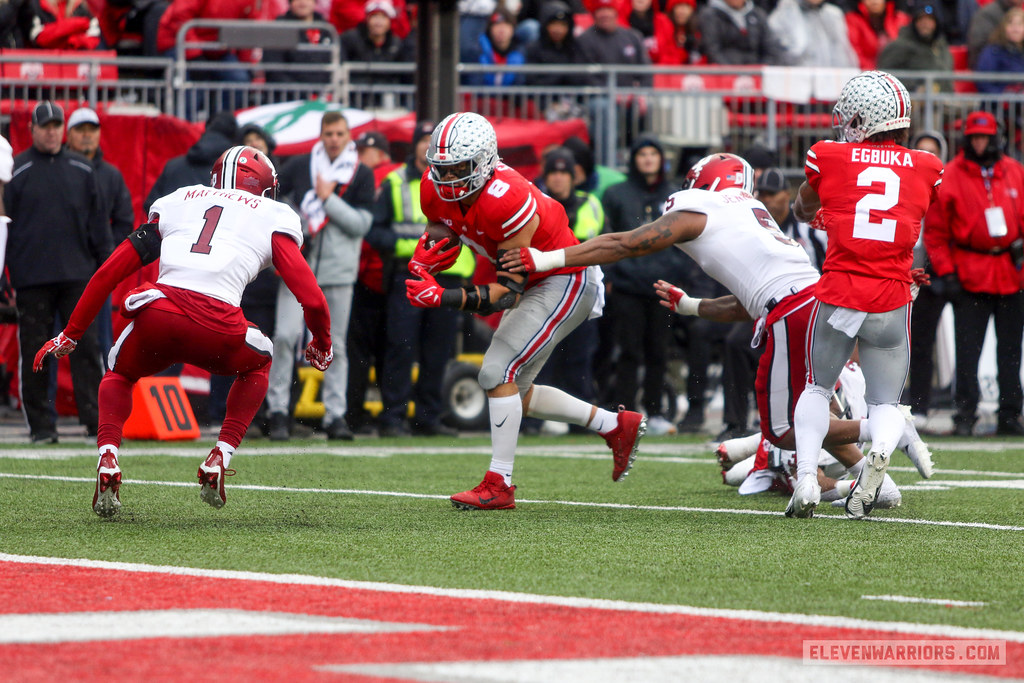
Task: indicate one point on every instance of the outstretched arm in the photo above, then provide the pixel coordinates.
(724, 309)
(669, 229)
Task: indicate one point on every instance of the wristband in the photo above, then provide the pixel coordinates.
(549, 260)
(451, 297)
(688, 305)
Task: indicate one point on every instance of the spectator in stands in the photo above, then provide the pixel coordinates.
(334, 193)
(530, 19)
(678, 42)
(374, 151)
(193, 167)
(181, 11)
(608, 42)
(473, 18)
(129, 27)
(64, 25)
(591, 177)
(871, 26)
(16, 23)
(640, 326)
(255, 135)
(425, 336)
(54, 200)
(556, 45)
(813, 33)
(346, 14)
(1004, 53)
(737, 32)
(974, 234)
(498, 45)
(984, 22)
(928, 306)
(919, 46)
(300, 10)
(646, 17)
(373, 42)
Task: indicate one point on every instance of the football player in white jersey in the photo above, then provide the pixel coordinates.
(731, 235)
(211, 242)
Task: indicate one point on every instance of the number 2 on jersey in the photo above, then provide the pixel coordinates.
(863, 227)
(210, 220)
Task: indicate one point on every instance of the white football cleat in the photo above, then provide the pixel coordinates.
(806, 496)
(916, 449)
(862, 499)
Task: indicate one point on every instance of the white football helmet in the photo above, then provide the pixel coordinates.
(464, 146)
(871, 102)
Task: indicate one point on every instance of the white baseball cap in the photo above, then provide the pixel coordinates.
(83, 115)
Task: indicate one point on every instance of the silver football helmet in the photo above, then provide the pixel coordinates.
(871, 102)
(463, 154)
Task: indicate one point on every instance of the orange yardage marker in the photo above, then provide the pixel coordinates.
(160, 411)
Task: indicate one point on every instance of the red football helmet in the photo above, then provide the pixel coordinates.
(717, 172)
(245, 168)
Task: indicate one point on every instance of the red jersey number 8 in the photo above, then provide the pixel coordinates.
(863, 226)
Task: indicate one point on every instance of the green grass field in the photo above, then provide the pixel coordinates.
(669, 533)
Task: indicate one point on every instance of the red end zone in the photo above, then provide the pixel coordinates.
(76, 623)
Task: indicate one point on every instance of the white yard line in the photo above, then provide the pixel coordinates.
(924, 601)
(527, 598)
(571, 503)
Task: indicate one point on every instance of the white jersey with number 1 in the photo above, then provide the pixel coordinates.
(743, 248)
(215, 242)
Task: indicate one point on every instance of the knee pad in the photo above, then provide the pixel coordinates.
(491, 375)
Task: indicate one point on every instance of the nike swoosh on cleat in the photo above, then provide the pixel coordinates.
(501, 423)
(485, 501)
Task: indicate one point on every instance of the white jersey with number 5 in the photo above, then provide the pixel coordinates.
(743, 248)
(215, 242)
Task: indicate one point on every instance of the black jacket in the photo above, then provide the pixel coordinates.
(116, 196)
(312, 36)
(58, 232)
(544, 51)
(356, 47)
(192, 168)
(628, 205)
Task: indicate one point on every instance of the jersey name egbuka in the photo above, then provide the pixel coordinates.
(250, 200)
(887, 157)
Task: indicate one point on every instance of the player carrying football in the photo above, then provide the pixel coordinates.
(211, 242)
(493, 209)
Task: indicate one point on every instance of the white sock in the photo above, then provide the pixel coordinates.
(104, 449)
(549, 403)
(742, 447)
(865, 432)
(604, 421)
(506, 415)
(887, 424)
(811, 419)
(227, 451)
(855, 469)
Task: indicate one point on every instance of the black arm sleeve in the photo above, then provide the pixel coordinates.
(146, 241)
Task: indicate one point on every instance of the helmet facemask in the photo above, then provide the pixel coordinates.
(462, 156)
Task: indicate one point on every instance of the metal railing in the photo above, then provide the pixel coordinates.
(691, 109)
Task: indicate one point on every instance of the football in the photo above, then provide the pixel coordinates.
(437, 232)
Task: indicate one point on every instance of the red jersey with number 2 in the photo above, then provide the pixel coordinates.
(506, 203)
(873, 198)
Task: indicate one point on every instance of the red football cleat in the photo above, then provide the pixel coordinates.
(211, 479)
(624, 441)
(106, 501)
(491, 494)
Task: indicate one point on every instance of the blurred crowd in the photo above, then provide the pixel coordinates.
(887, 34)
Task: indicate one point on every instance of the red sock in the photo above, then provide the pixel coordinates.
(244, 400)
(115, 405)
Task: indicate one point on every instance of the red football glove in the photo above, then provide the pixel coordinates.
(58, 347)
(318, 358)
(425, 292)
(818, 222)
(433, 259)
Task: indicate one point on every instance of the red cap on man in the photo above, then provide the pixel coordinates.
(981, 123)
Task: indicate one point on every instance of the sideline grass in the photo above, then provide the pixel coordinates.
(818, 566)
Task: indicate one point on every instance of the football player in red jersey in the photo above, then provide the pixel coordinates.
(493, 209)
(211, 241)
(869, 193)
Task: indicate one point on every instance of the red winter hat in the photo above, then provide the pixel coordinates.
(980, 123)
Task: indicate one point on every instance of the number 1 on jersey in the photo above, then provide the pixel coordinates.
(210, 220)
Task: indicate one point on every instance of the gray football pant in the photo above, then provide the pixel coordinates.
(884, 345)
(289, 333)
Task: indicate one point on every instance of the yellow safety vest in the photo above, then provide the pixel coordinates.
(408, 221)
